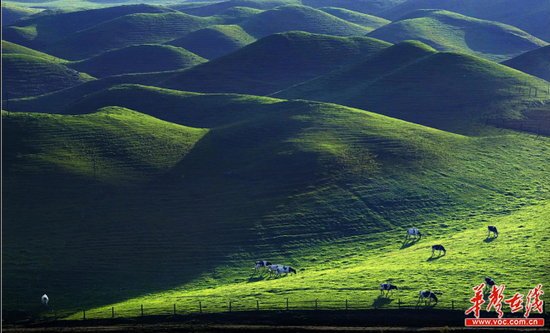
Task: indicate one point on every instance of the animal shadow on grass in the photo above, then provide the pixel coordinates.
(259, 276)
(489, 239)
(409, 243)
(381, 301)
(432, 258)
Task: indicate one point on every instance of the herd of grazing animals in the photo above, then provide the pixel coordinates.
(386, 288)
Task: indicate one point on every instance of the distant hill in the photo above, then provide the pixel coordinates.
(365, 20)
(131, 29)
(447, 31)
(530, 16)
(299, 18)
(41, 31)
(217, 8)
(12, 13)
(12, 48)
(274, 63)
(214, 42)
(26, 75)
(536, 62)
(411, 81)
(138, 59)
(236, 15)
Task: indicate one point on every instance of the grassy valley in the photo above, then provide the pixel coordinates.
(447, 31)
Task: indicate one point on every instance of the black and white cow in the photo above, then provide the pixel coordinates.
(285, 270)
(387, 287)
(262, 264)
(438, 248)
(413, 232)
(273, 268)
(427, 295)
(489, 282)
(45, 299)
(493, 230)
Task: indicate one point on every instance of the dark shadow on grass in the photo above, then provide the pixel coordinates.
(409, 243)
(489, 239)
(434, 258)
(381, 301)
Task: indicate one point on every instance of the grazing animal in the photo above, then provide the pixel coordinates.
(438, 248)
(413, 232)
(493, 230)
(489, 282)
(45, 299)
(387, 286)
(262, 264)
(285, 270)
(273, 268)
(427, 295)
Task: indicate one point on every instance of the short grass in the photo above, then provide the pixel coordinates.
(26, 75)
(214, 42)
(275, 62)
(447, 31)
(12, 12)
(138, 59)
(365, 20)
(12, 48)
(536, 62)
(445, 90)
(324, 188)
(299, 18)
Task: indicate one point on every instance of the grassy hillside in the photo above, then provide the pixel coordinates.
(26, 75)
(12, 48)
(536, 62)
(440, 89)
(131, 29)
(236, 15)
(322, 187)
(217, 8)
(447, 31)
(12, 13)
(365, 20)
(214, 42)
(531, 17)
(40, 31)
(275, 62)
(138, 59)
(299, 18)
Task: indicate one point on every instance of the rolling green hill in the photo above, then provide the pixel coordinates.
(39, 32)
(536, 62)
(217, 8)
(236, 15)
(531, 17)
(411, 81)
(214, 42)
(12, 48)
(365, 20)
(138, 59)
(447, 31)
(26, 75)
(299, 18)
(131, 29)
(275, 62)
(12, 13)
(324, 188)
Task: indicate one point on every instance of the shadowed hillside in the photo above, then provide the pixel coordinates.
(536, 62)
(215, 41)
(42, 30)
(365, 20)
(138, 59)
(12, 13)
(26, 75)
(531, 16)
(275, 62)
(447, 31)
(445, 90)
(299, 18)
(12, 48)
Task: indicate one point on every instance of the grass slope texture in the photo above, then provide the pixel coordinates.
(447, 31)
(531, 16)
(138, 59)
(321, 187)
(299, 18)
(26, 75)
(536, 62)
(12, 48)
(275, 62)
(446, 90)
(130, 30)
(40, 31)
(12, 13)
(214, 42)
(365, 20)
